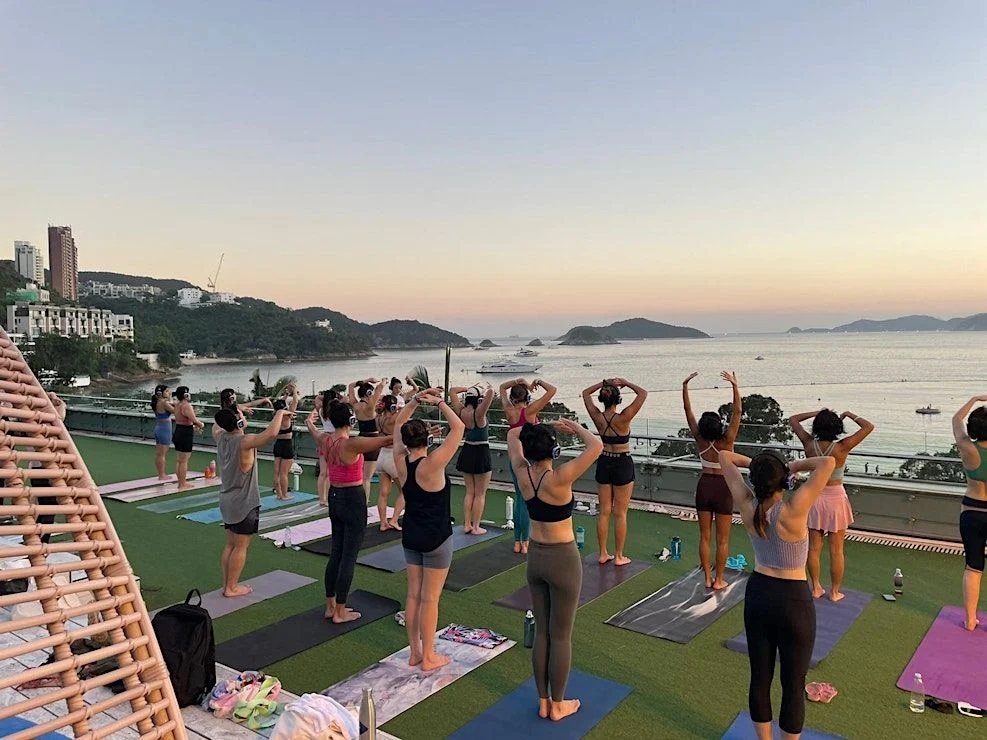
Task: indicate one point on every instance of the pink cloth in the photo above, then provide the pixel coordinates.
(831, 512)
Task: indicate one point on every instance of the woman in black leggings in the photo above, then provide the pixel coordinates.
(555, 570)
(970, 431)
(779, 613)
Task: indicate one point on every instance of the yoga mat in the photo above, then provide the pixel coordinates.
(300, 632)
(212, 516)
(166, 489)
(682, 609)
(951, 660)
(318, 529)
(743, 729)
(265, 586)
(597, 580)
(832, 622)
(15, 724)
(179, 504)
(482, 565)
(130, 485)
(398, 687)
(391, 558)
(515, 715)
(373, 537)
(285, 517)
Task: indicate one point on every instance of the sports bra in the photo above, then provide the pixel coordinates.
(613, 439)
(542, 511)
(367, 426)
(477, 435)
(162, 415)
(837, 473)
(980, 472)
(342, 474)
(773, 552)
(706, 463)
(523, 419)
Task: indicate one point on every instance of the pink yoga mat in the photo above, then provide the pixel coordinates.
(951, 660)
(130, 485)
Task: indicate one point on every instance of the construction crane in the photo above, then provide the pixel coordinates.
(211, 282)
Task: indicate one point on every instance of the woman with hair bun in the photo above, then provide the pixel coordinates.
(387, 472)
(228, 400)
(970, 432)
(714, 435)
(474, 460)
(831, 514)
(322, 402)
(364, 397)
(779, 613)
(163, 408)
(186, 425)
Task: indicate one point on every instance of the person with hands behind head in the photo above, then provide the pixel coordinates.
(554, 569)
(344, 456)
(520, 409)
(779, 612)
(615, 468)
(427, 533)
(239, 496)
(186, 425)
(474, 460)
(228, 400)
(713, 435)
(284, 445)
(322, 403)
(364, 397)
(831, 515)
(970, 432)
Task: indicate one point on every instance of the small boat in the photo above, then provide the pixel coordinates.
(587, 364)
(478, 348)
(524, 352)
(759, 357)
(508, 366)
(928, 411)
(51, 379)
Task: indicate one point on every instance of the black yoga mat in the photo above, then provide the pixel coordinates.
(296, 634)
(597, 580)
(371, 538)
(482, 565)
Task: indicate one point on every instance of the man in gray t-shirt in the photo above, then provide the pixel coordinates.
(239, 497)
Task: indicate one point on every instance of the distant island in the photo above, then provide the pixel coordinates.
(637, 328)
(487, 344)
(918, 322)
(536, 343)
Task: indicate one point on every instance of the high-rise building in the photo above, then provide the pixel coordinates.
(29, 262)
(63, 259)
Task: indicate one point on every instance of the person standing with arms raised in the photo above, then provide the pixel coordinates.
(474, 461)
(186, 425)
(163, 408)
(970, 432)
(364, 397)
(284, 445)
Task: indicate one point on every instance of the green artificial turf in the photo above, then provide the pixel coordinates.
(679, 691)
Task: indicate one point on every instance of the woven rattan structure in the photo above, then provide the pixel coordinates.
(105, 600)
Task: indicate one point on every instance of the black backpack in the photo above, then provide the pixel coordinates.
(184, 633)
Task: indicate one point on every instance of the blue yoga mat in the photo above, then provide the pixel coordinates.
(268, 503)
(743, 729)
(516, 715)
(15, 724)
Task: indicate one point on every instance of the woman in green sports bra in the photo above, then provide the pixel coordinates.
(474, 460)
(970, 431)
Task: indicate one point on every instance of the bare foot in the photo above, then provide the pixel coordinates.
(323, 503)
(345, 615)
(709, 581)
(605, 558)
(467, 529)
(524, 548)
(621, 560)
(719, 584)
(562, 709)
(384, 526)
(971, 628)
(238, 590)
(517, 548)
(186, 487)
(164, 477)
(434, 662)
(394, 525)
(836, 596)
(414, 660)
(479, 530)
(543, 708)
(818, 592)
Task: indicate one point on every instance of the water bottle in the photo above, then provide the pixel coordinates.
(917, 701)
(368, 716)
(510, 512)
(592, 508)
(287, 538)
(297, 483)
(676, 548)
(899, 583)
(580, 537)
(529, 629)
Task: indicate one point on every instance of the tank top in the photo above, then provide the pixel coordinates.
(327, 426)
(341, 474)
(980, 472)
(773, 552)
(477, 435)
(542, 511)
(427, 516)
(238, 492)
(523, 419)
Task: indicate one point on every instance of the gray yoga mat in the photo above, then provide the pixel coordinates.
(282, 517)
(597, 580)
(482, 565)
(130, 485)
(264, 586)
(212, 516)
(832, 622)
(391, 558)
(682, 609)
(187, 502)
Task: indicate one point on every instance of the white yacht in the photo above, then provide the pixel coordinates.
(525, 352)
(508, 366)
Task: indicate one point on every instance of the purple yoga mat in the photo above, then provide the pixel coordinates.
(951, 660)
(130, 485)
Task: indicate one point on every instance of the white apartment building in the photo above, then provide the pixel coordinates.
(189, 296)
(324, 324)
(31, 320)
(29, 262)
(222, 298)
(112, 290)
(192, 298)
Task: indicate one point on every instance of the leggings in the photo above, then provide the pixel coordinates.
(348, 514)
(555, 577)
(522, 522)
(779, 618)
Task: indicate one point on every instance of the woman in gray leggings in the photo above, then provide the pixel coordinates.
(555, 571)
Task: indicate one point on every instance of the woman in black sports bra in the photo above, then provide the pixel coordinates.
(555, 570)
(615, 468)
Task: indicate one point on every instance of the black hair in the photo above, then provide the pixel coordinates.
(976, 424)
(827, 426)
(472, 399)
(227, 420)
(364, 390)
(182, 393)
(537, 441)
(340, 414)
(712, 426)
(227, 398)
(386, 402)
(768, 475)
(520, 393)
(327, 398)
(394, 382)
(159, 391)
(609, 395)
(414, 434)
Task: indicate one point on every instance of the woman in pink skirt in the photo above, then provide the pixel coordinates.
(831, 513)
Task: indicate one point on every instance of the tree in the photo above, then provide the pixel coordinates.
(167, 353)
(762, 421)
(676, 448)
(65, 356)
(950, 471)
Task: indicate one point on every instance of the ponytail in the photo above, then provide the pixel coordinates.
(768, 475)
(760, 521)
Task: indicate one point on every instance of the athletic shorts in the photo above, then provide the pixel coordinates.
(615, 469)
(249, 525)
(284, 449)
(183, 437)
(474, 460)
(440, 558)
(713, 495)
(973, 532)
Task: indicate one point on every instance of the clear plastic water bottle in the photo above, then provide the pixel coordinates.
(580, 537)
(510, 512)
(529, 629)
(287, 537)
(676, 548)
(899, 582)
(917, 702)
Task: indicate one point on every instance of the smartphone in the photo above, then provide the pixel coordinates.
(889, 597)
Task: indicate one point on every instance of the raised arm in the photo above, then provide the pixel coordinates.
(968, 450)
(59, 405)
(265, 401)
(571, 470)
(505, 390)
(439, 459)
(730, 464)
(295, 398)
(515, 451)
(640, 396)
(690, 417)
(803, 498)
(537, 406)
(795, 422)
(253, 441)
(318, 435)
(591, 408)
(736, 411)
(351, 393)
(486, 402)
(866, 427)
(378, 392)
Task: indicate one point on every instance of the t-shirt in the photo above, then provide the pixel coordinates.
(238, 492)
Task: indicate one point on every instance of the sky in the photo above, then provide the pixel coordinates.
(508, 167)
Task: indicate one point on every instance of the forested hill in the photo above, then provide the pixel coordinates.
(393, 334)
(102, 276)
(920, 322)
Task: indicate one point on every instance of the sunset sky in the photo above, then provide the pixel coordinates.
(498, 167)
